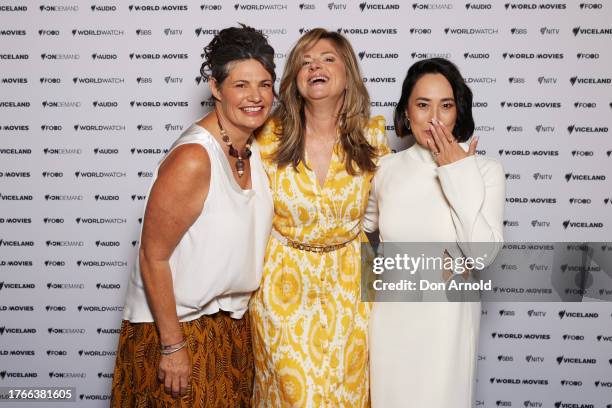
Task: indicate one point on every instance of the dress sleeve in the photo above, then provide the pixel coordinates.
(377, 135)
(475, 190)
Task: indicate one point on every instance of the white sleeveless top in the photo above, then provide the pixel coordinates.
(219, 260)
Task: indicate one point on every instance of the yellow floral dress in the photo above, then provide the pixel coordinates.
(308, 321)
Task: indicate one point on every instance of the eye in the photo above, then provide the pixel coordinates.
(421, 104)
(240, 85)
(329, 59)
(305, 63)
(267, 85)
(448, 105)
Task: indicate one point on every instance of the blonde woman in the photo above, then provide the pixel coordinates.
(320, 151)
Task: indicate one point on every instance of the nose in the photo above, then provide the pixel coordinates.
(254, 95)
(314, 65)
(433, 117)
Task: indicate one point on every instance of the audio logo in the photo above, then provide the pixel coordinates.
(103, 8)
(480, 6)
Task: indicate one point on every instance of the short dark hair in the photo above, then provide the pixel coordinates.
(464, 126)
(236, 44)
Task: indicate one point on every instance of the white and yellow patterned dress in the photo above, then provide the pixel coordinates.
(308, 321)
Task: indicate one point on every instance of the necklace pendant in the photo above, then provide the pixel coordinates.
(240, 166)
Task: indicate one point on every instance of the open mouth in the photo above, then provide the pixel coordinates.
(319, 79)
(252, 109)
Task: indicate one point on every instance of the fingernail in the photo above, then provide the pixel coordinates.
(435, 121)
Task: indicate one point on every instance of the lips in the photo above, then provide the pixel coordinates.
(318, 79)
(252, 109)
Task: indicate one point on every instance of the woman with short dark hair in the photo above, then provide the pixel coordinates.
(424, 354)
(186, 340)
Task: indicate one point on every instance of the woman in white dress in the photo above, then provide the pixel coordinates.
(424, 354)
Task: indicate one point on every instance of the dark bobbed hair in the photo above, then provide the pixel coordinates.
(464, 126)
(235, 44)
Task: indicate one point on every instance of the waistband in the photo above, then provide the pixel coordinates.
(309, 247)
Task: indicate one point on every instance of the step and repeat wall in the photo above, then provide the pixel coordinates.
(92, 94)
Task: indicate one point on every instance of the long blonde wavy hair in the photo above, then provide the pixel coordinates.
(352, 117)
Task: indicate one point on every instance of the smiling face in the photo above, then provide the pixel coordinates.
(431, 98)
(245, 96)
(323, 73)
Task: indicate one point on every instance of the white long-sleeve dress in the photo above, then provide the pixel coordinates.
(423, 355)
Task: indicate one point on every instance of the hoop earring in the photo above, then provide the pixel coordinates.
(407, 124)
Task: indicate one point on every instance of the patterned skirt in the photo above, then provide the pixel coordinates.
(222, 365)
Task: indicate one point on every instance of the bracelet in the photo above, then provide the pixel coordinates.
(168, 351)
(171, 346)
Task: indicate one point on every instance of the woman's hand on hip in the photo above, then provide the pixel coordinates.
(174, 372)
(444, 148)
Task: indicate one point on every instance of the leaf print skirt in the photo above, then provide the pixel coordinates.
(222, 365)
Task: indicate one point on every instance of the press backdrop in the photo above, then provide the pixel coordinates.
(93, 93)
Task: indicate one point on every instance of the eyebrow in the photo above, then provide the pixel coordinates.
(244, 81)
(323, 53)
(422, 98)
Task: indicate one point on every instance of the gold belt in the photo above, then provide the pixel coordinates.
(309, 247)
